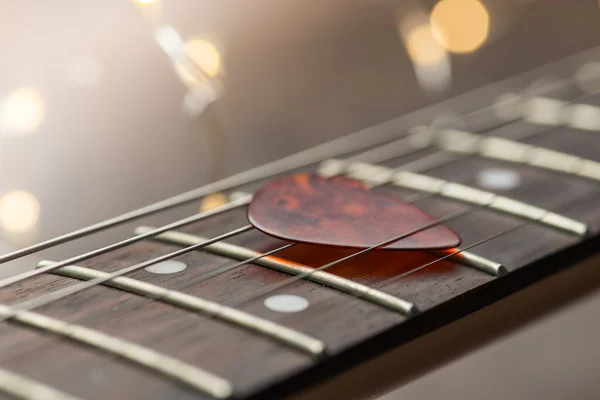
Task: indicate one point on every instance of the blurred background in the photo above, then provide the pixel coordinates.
(106, 106)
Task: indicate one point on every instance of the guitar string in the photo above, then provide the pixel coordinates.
(137, 238)
(59, 294)
(42, 300)
(126, 242)
(116, 357)
(240, 202)
(56, 242)
(353, 142)
(261, 292)
(347, 144)
(208, 275)
(183, 222)
(439, 260)
(196, 218)
(52, 296)
(408, 199)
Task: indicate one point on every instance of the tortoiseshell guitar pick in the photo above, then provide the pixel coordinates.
(340, 212)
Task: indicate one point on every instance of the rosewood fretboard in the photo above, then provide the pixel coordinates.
(259, 352)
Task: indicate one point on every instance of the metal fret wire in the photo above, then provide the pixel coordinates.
(343, 145)
(45, 299)
(115, 246)
(198, 217)
(75, 288)
(259, 293)
(226, 268)
(292, 279)
(346, 144)
(205, 276)
(366, 155)
(118, 245)
(55, 295)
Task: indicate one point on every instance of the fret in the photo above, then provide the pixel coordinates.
(517, 152)
(455, 191)
(473, 260)
(324, 278)
(24, 388)
(182, 372)
(548, 111)
(544, 110)
(584, 117)
(272, 330)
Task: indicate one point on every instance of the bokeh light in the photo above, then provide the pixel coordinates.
(21, 112)
(212, 201)
(430, 60)
(422, 46)
(462, 26)
(205, 55)
(145, 2)
(19, 211)
(202, 60)
(170, 41)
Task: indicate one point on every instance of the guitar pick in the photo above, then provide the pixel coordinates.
(340, 212)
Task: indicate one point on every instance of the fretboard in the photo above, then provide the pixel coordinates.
(206, 326)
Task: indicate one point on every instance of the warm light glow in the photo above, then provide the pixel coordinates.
(462, 26)
(170, 41)
(213, 200)
(21, 113)
(205, 55)
(430, 59)
(145, 2)
(204, 59)
(422, 46)
(19, 211)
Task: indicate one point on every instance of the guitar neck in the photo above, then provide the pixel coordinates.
(208, 325)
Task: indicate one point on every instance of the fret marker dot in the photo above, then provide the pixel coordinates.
(286, 303)
(167, 267)
(498, 179)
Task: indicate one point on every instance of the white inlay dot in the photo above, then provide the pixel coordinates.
(167, 267)
(498, 179)
(286, 303)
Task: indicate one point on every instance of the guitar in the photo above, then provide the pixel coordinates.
(265, 295)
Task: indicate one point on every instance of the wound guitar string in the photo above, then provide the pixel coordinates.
(57, 295)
